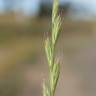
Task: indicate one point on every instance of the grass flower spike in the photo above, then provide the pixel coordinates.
(50, 44)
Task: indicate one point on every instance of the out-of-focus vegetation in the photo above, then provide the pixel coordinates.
(22, 52)
(22, 59)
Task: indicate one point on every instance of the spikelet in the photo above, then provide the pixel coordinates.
(54, 67)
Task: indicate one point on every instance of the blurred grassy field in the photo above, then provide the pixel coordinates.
(22, 44)
(19, 42)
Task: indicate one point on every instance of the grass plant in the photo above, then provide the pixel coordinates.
(49, 88)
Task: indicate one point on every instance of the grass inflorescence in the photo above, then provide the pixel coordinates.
(50, 44)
